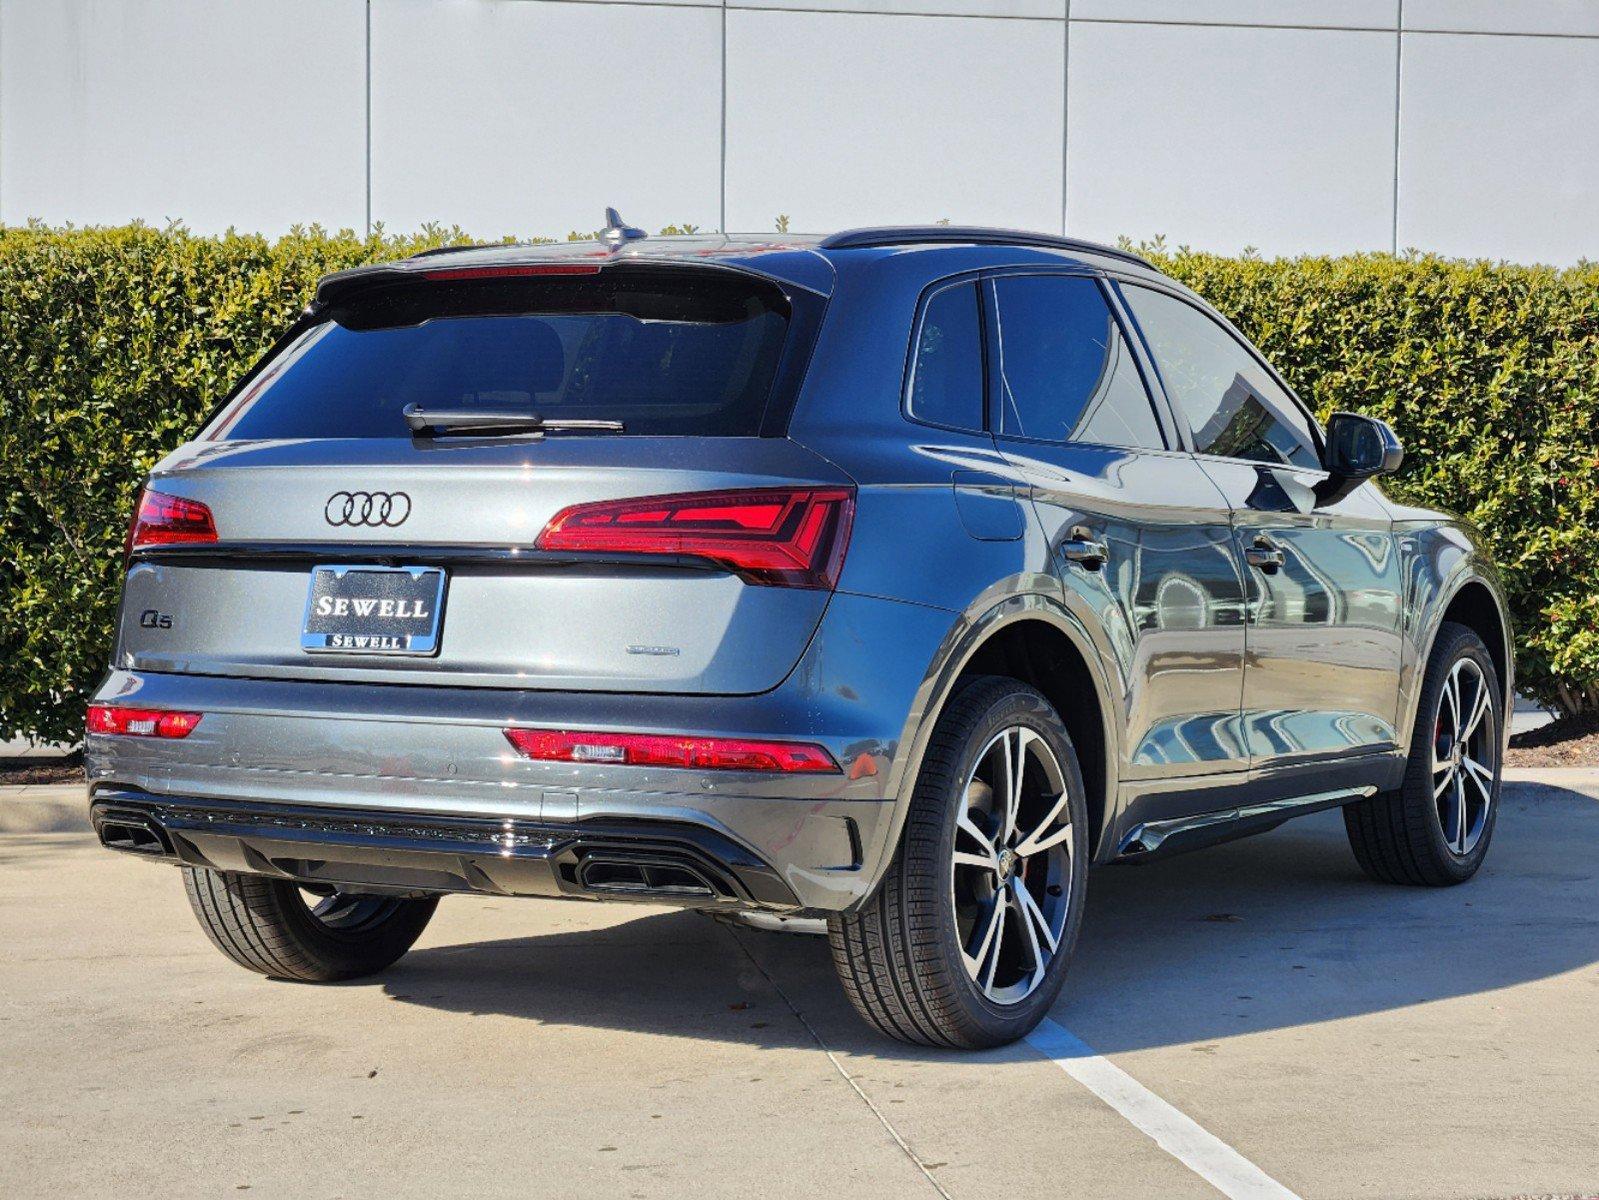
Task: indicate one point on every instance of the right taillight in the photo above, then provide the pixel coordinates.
(677, 750)
(789, 537)
(163, 520)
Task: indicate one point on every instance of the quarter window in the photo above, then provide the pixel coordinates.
(947, 373)
(1065, 371)
(1235, 407)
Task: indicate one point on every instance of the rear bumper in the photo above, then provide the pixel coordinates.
(418, 853)
(440, 753)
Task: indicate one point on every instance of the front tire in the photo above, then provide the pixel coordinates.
(1435, 828)
(268, 926)
(967, 939)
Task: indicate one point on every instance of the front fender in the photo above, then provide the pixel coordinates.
(1442, 560)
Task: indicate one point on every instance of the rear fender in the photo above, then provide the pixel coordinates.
(965, 638)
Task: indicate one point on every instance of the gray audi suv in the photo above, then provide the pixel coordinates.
(887, 580)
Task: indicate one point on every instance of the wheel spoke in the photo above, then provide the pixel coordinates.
(982, 862)
(1447, 780)
(1460, 813)
(1031, 930)
(1038, 840)
(1479, 707)
(998, 932)
(969, 827)
(1044, 836)
(1033, 918)
(1015, 770)
(1481, 776)
(1452, 694)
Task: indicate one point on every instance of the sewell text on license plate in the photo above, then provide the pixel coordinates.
(373, 610)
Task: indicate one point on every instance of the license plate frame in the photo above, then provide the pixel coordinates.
(403, 634)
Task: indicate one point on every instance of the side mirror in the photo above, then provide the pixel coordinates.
(1358, 448)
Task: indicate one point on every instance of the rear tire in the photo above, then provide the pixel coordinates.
(954, 948)
(1435, 828)
(268, 926)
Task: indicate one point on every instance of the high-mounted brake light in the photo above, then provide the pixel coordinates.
(656, 750)
(512, 272)
(789, 537)
(141, 722)
(163, 520)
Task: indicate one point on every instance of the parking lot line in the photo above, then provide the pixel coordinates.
(888, 1126)
(1178, 1135)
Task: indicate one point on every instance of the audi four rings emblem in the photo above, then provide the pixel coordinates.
(367, 508)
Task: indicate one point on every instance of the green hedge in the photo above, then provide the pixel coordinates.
(115, 342)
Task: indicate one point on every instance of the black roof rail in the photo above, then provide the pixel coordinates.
(910, 235)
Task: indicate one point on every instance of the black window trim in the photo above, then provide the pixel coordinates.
(1159, 403)
(1184, 426)
(923, 303)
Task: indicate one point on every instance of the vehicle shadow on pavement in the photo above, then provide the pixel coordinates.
(1272, 932)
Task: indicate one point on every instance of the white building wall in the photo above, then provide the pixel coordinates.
(1469, 127)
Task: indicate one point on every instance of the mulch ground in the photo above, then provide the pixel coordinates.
(68, 769)
(1564, 742)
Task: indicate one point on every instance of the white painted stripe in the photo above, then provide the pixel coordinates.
(1212, 1159)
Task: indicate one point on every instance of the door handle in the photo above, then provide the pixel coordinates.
(1084, 549)
(1266, 555)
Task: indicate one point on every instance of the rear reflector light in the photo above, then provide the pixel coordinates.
(512, 272)
(162, 520)
(141, 722)
(654, 750)
(790, 537)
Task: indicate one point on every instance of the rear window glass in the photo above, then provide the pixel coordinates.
(665, 352)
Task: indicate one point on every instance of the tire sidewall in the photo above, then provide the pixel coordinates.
(343, 955)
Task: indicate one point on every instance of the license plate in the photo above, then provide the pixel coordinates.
(373, 610)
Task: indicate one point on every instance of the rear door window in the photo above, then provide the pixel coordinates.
(947, 370)
(1234, 406)
(666, 352)
(1066, 373)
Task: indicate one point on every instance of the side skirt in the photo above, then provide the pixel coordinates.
(1157, 839)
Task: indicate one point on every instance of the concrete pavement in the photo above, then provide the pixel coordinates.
(1351, 1040)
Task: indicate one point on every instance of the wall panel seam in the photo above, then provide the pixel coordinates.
(721, 219)
(1179, 24)
(2, 104)
(1399, 80)
(1522, 33)
(852, 12)
(1065, 109)
(786, 8)
(1439, 32)
(369, 118)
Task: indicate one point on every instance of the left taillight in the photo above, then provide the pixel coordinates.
(163, 520)
(786, 537)
(140, 722)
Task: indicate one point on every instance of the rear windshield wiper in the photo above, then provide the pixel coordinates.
(493, 422)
